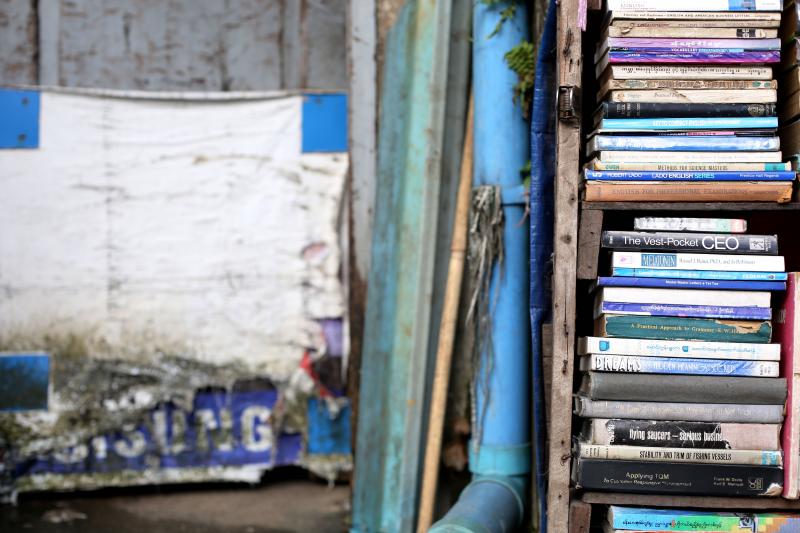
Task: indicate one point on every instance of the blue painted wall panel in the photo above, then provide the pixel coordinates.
(324, 123)
(327, 435)
(19, 125)
(24, 381)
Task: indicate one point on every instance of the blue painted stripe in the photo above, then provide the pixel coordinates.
(24, 381)
(324, 123)
(19, 127)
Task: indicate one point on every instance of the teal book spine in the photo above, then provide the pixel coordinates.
(687, 329)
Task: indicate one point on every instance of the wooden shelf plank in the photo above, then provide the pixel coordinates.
(690, 206)
(711, 502)
(565, 248)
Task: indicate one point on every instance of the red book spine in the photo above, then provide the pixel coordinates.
(786, 333)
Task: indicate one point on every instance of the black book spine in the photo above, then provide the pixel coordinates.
(716, 243)
(681, 478)
(667, 434)
(686, 389)
(655, 110)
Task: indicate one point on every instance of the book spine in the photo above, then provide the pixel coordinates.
(677, 366)
(683, 144)
(691, 157)
(661, 191)
(684, 434)
(684, 297)
(679, 455)
(684, 328)
(691, 242)
(621, 85)
(699, 133)
(697, 56)
(704, 225)
(707, 284)
(631, 518)
(678, 43)
(787, 331)
(690, 72)
(680, 478)
(693, 5)
(594, 175)
(692, 111)
(689, 388)
(690, 261)
(699, 274)
(751, 19)
(685, 311)
(666, 348)
(696, 412)
(683, 123)
(663, 31)
(596, 164)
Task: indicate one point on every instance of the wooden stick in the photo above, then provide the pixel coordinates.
(447, 330)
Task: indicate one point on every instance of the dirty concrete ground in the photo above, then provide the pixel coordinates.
(283, 502)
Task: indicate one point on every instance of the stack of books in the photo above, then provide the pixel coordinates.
(789, 84)
(688, 103)
(634, 520)
(681, 389)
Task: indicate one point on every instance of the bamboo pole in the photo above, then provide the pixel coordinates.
(447, 331)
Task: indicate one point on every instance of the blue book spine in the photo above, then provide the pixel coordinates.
(699, 274)
(685, 144)
(692, 311)
(668, 283)
(711, 123)
(614, 175)
(679, 365)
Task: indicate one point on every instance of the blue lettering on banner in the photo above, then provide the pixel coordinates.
(223, 429)
(659, 260)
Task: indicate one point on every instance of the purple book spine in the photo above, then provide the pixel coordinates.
(644, 43)
(691, 311)
(666, 56)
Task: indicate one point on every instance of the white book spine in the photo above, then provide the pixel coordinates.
(636, 364)
(623, 156)
(697, 96)
(753, 19)
(684, 296)
(663, 72)
(680, 455)
(711, 225)
(692, 349)
(693, 5)
(685, 261)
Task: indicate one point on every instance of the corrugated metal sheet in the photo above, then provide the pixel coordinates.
(208, 45)
(18, 34)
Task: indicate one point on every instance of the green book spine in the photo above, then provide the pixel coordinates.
(688, 329)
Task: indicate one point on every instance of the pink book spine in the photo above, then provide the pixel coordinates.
(786, 334)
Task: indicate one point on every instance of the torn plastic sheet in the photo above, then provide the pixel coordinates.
(217, 434)
(168, 251)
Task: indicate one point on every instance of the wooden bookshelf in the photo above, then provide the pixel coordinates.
(577, 258)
